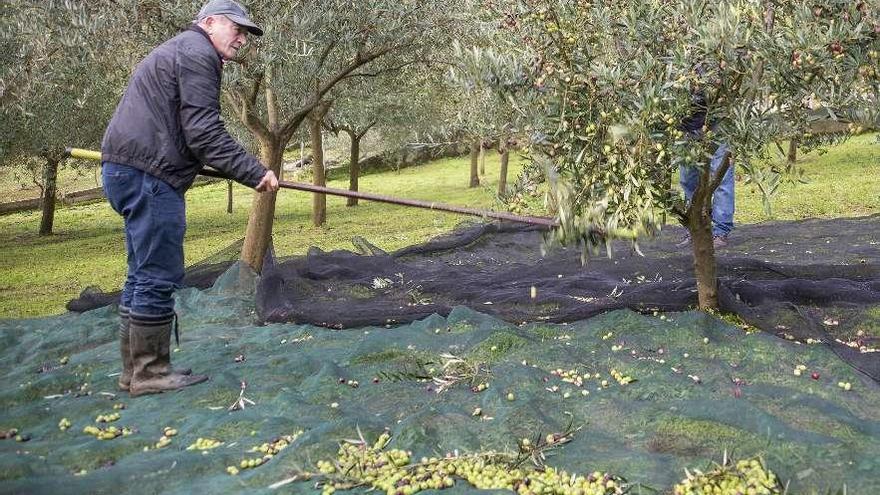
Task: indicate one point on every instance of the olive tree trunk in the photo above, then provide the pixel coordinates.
(699, 225)
(319, 177)
(792, 150)
(47, 200)
(258, 235)
(475, 157)
(700, 228)
(229, 196)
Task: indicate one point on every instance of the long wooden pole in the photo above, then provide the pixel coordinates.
(430, 205)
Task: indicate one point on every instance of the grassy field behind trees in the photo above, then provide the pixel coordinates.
(38, 275)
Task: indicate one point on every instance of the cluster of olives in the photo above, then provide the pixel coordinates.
(394, 473)
(384, 470)
(248, 464)
(745, 477)
(165, 439)
(577, 379)
(107, 418)
(621, 378)
(64, 424)
(109, 433)
(572, 376)
(268, 451)
(277, 445)
(204, 444)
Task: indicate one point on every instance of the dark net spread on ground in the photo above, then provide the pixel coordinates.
(787, 278)
(812, 279)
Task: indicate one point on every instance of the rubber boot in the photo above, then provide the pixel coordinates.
(125, 352)
(150, 343)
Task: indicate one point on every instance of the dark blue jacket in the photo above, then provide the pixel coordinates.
(168, 122)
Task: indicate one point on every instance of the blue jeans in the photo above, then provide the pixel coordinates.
(154, 216)
(723, 204)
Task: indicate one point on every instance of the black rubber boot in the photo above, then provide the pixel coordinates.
(125, 353)
(150, 344)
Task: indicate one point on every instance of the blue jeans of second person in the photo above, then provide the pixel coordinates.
(723, 204)
(154, 215)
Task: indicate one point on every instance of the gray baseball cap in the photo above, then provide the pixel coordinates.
(233, 11)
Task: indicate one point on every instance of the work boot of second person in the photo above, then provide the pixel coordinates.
(150, 362)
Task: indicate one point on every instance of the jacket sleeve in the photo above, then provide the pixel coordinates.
(198, 77)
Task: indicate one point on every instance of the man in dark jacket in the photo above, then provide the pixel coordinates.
(166, 127)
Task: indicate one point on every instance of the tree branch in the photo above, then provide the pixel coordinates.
(325, 53)
(323, 89)
(255, 89)
(247, 116)
(331, 126)
(382, 71)
(721, 172)
(363, 132)
(271, 103)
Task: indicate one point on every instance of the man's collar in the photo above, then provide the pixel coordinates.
(198, 29)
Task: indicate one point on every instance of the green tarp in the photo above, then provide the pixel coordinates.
(701, 387)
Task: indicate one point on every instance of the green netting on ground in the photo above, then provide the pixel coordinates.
(702, 387)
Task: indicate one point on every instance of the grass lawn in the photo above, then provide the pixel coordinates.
(844, 182)
(38, 275)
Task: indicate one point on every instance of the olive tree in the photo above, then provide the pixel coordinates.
(309, 48)
(399, 105)
(613, 82)
(51, 92)
(485, 81)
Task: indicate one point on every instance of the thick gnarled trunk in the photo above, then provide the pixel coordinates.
(259, 228)
(699, 225)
